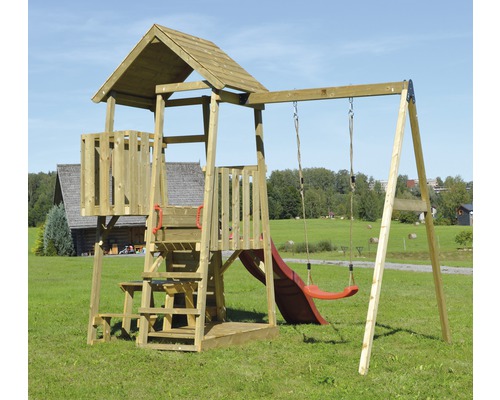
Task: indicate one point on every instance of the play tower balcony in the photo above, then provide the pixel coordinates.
(116, 173)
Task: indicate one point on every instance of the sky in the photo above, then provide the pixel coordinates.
(74, 47)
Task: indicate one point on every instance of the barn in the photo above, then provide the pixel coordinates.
(185, 187)
(464, 214)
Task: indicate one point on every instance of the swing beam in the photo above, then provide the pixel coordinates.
(407, 108)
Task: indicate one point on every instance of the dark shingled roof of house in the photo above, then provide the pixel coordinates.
(185, 188)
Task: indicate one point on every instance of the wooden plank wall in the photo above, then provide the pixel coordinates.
(237, 223)
(115, 173)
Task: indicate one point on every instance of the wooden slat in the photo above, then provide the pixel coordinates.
(89, 174)
(256, 207)
(118, 167)
(145, 174)
(215, 231)
(104, 172)
(133, 172)
(168, 346)
(245, 182)
(236, 208)
(181, 87)
(225, 207)
(184, 139)
(179, 216)
(410, 205)
(172, 275)
(340, 92)
(176, 311)
(179, 235)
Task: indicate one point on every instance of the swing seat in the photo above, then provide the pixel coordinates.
(316, 293)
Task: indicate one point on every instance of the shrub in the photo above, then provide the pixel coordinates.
(57, 236)
(38, 249)
(463, 238)
(325, 245)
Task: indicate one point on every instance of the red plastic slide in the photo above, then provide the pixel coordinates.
(294, 304)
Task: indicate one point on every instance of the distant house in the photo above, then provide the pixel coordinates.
(465, 214)
(421, 216)
(185, 188)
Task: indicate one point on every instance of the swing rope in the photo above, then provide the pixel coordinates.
(301, 180)
(311, 289)
(353, 188)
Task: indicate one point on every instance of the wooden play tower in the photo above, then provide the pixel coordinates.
(123, 174)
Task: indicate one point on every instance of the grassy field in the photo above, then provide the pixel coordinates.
(409, 360)
(400, 247)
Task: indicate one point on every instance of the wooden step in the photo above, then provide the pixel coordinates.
(173, 275)
(175, 245)
(170, 347)
(178, 333)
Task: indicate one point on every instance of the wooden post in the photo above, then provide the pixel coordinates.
(207, 217)
(105, 161)
(383, 238)
(264, 209)
(101, 234)
(96, 282)
(429, 224)
(142, 338)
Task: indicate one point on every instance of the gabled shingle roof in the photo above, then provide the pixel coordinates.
(185, 188)
(166, 56)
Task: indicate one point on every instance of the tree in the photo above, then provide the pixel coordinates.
(450, 200)
(57, 235)
(368, 206)
(40, 196)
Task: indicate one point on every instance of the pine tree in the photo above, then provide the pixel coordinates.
(57, 234)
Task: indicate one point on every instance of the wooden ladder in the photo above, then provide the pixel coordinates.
(193, 292)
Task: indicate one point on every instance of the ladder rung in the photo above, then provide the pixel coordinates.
(164, 346)
(176, 275)
(161, 310)
(172, 335)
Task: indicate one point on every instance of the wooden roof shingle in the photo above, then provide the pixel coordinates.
(166, 56)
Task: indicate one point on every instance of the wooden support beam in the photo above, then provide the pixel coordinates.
(264, 209)
(184, 139)
(207, 217)
(429, 223)
(142, 338)
(378, 272)
(410, 205)
(181, 87)
(340, 92)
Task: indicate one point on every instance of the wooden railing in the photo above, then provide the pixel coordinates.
(236, 214)
(115, 173)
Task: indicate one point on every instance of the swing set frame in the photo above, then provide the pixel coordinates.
(407, 108)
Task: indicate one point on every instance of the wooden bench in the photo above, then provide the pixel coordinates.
(129, 289)
(169, 287)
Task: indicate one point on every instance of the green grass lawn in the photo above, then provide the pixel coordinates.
(400, 247)
(409, 360)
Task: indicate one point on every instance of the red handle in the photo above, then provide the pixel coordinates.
(160, 219)
(198, 214)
